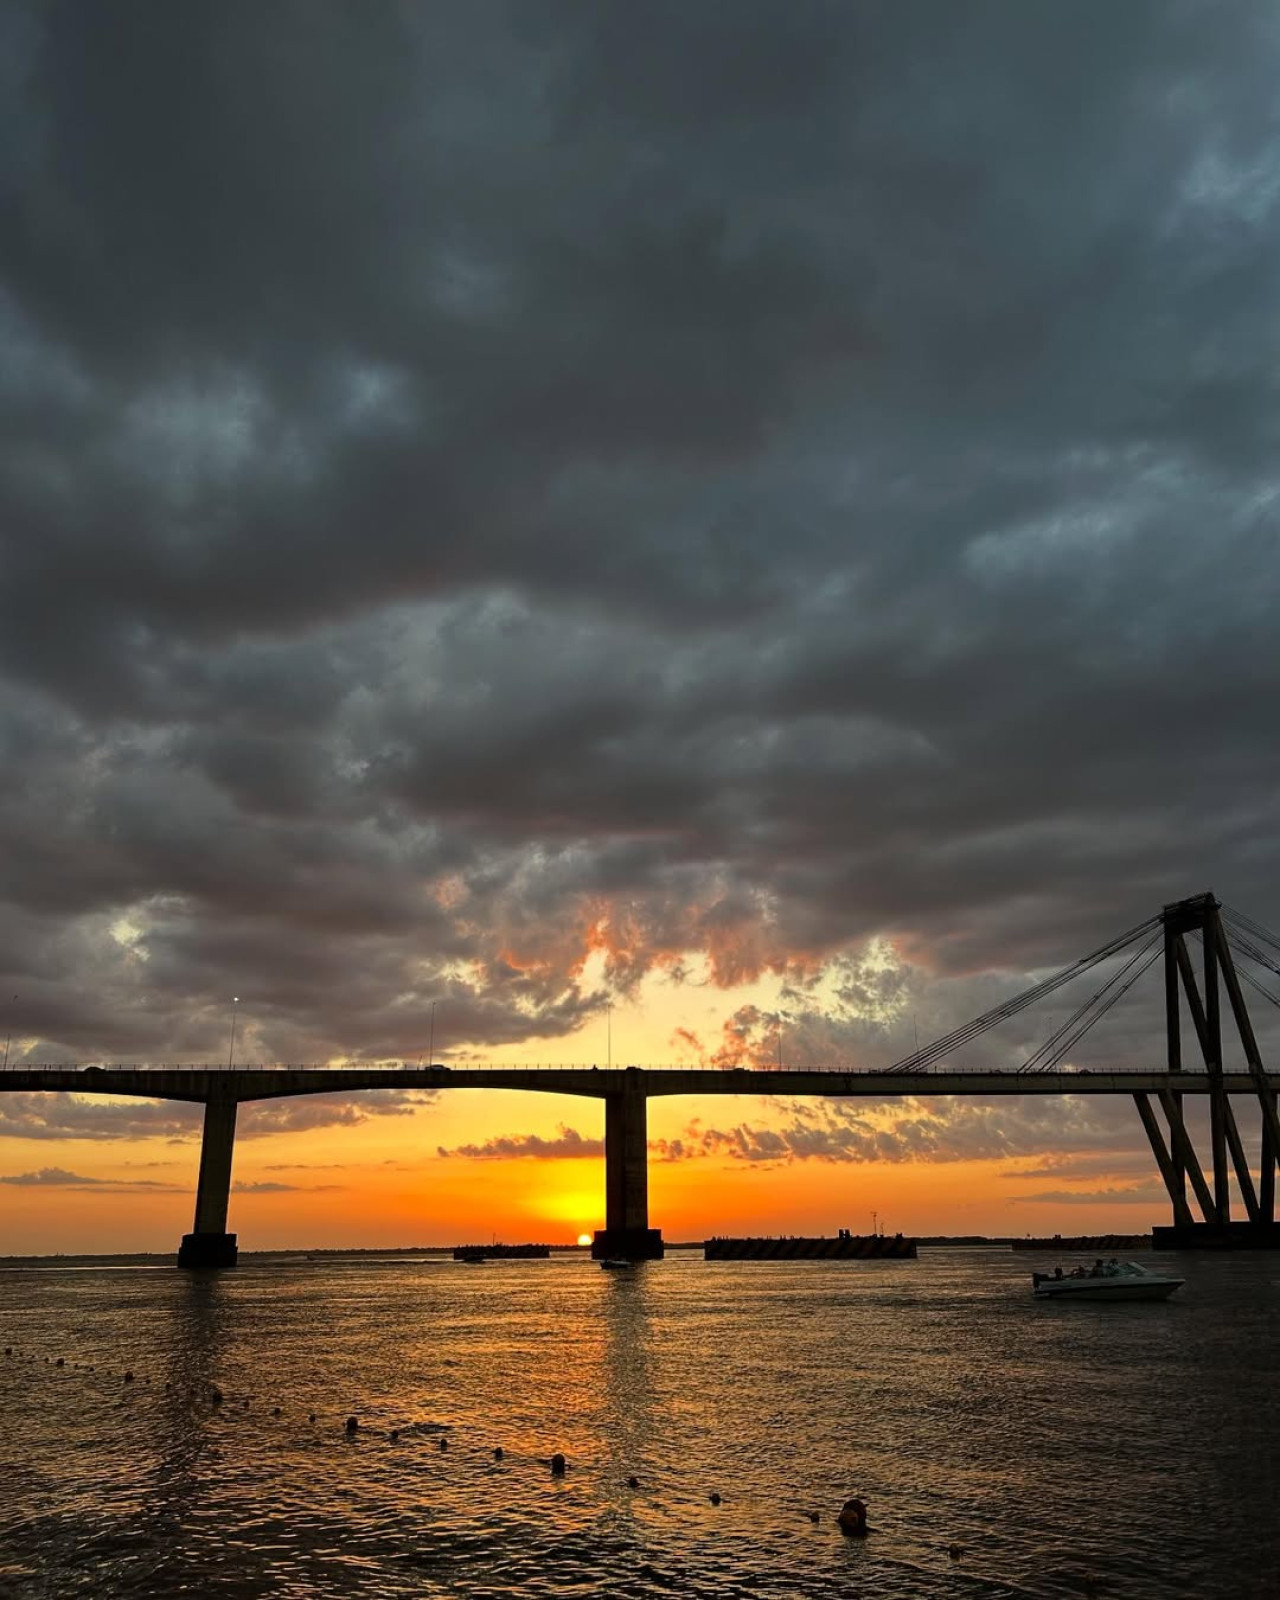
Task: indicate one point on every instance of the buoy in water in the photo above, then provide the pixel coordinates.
(715, 1499)
(394, 1436)
(814, 1517)
(216, 1397)
(955, 1551)
(633, 1483)
(128, 1377)
(497, 1452)
(311, 1416)
(59, 1362)
(853, 1518)
(444, 1443)
(352, 1424)
(275, 1411)
(558, 1465)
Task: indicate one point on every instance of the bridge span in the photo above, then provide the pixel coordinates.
(927, 1072)
(625, 1092)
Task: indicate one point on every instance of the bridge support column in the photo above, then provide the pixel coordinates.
(626, 1234)
(209, 1244)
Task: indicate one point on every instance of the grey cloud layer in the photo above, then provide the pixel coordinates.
(742, 479)
(1085, 1136)
(69, 1116)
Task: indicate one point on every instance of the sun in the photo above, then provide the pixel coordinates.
(584, 1238)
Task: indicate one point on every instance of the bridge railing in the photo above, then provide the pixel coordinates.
(932, 1069)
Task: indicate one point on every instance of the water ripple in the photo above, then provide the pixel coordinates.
(1006, 1448)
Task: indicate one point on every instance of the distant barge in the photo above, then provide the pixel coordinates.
(845, 1247)
(1096, 1244)
(501, 1252)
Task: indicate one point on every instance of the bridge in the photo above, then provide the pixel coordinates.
(626, 1091)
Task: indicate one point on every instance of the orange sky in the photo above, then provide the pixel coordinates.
(383, 1182)
(379, 1177)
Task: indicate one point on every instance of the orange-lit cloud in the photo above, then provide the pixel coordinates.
(60, 1178)
(567, 1145)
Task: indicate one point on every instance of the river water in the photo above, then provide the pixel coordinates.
(1064, 1450)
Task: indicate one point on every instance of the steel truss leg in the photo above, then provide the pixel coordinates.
(1169, 1171)
(1187, 1156)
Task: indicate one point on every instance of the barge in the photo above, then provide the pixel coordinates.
(845, 1246)
(1095, 1244)
(501, 1252)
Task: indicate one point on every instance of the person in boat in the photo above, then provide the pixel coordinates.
(1057, 1273)
(1097, 1270)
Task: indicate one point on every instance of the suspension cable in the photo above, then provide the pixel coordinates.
(1152, 953)
(1249, 976)
(1245, 945)
(1049, 1052)
(920, 1059)
(1247, 926)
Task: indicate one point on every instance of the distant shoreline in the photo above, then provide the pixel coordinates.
(301, 1255)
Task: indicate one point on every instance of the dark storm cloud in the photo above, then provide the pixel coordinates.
(483, 484)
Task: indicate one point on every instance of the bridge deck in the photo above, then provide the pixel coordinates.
(272, 1083)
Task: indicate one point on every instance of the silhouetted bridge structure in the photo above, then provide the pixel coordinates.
(627, 1090)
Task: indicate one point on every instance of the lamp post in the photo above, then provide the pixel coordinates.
(231, 1050)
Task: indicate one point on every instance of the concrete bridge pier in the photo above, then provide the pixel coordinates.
(209, 1244)
(626, 1234)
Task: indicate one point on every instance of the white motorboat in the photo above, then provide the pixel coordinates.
(1114, 1280)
